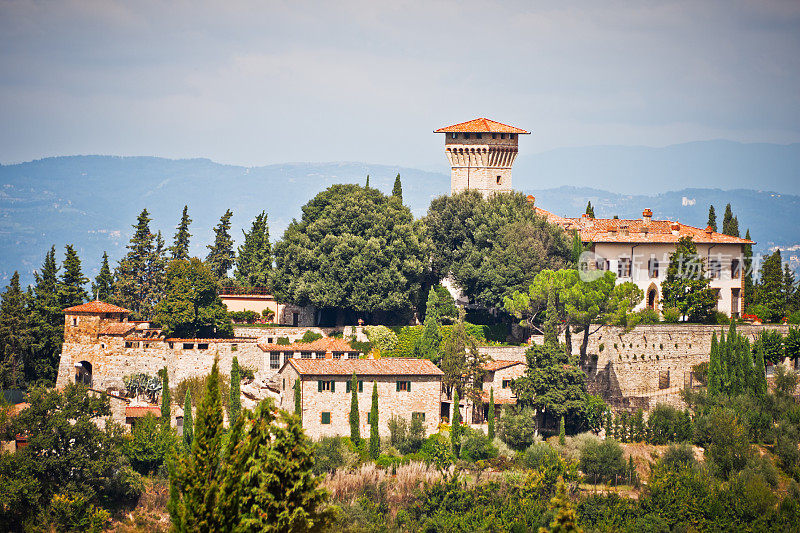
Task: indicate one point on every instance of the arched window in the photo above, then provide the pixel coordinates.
(83, 373)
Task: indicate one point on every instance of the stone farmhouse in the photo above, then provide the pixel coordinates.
(407, 388)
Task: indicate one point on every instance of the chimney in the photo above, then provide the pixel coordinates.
(709, 231)
(647, 216)
(675, 227)
(531, 200)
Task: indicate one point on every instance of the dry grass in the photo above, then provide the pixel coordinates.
(348, 485)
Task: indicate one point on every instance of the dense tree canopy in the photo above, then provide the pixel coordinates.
(354, 248)
(180, 246)
(139, 283)
(220, 254)
(493, 246)
(687, 286)
(254, 258)
(103, 286)
(13, 334)
(191, 306)
(46, 324)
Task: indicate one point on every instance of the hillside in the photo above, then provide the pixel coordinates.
(92, 201)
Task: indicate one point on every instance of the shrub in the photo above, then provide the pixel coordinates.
(148, 444)
(329, 454)
(243, 317)
(310, 336)
(247, 373)
(794, 318)
(721, 318)
(407, 338)
(74, 513)
(729, 448)
(283, 341)
(678, 457)
(700, 371)
(761, 311)
(436, 449)
(268, 314)
(382, 338)
(406, 437)
(667, 424)
(672, 315)
(517, 428)
(197, 385)
(603, 461)
(648, 316)
(476, 446)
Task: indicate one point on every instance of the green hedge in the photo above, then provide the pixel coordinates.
(407, 336)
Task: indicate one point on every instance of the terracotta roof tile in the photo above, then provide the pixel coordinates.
(612, 230)
(481, 125)
(117, 328)
(96, 307)
(493, 366)
(388, 366)
(137, 411)
(325, 344)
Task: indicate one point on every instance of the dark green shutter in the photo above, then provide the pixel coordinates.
(360, 386)
(398, 386)
(408, 386)
(333, 386)
(319, 386)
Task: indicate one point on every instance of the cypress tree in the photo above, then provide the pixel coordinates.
(714, 367)
(71, 290)
(712, 218)
(431, 339)
(590, 209)
(748, 272)
(235, 402)
(491, 414)
(166, 398)
(562, 436)
(564, 520)
(298, 406)
(789, 289)
(759, 386)
(366, 185)
(577, 248)
(13, 334)
(188, 428)
(727, 220)
(355, 422)
(550, 326)
(455, 427)
(202, 470)
(220, 254)
(374, 436)
(397, 190)
(103, 286)
(254, 258)
(46, 324)
(134, 281)
(180, 246)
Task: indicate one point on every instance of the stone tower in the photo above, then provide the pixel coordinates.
(481, 153)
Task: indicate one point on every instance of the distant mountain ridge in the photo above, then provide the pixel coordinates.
(92, 201)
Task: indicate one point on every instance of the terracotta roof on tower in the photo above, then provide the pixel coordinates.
(480, 125)
(96, 307)
(117, 328)
(325, 344)
(638, 230)
(387, 366)
(493, 366)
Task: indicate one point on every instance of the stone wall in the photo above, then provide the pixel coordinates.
(505, 353)
(296, 333)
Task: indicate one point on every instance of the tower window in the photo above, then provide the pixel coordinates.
(479, 135)
(494, 136)
(499, 178)
(466, 135)
(502, 135)
(511, 135)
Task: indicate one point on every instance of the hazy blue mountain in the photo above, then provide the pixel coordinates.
(92, 201)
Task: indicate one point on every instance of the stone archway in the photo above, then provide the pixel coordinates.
(651, 297)
(83, 373)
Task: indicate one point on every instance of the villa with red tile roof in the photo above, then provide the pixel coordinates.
(639, 250)
(481, 153)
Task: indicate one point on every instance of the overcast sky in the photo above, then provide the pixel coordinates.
(255, 83)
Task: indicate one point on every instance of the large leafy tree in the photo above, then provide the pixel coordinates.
(492, 247)
(220, 254)
(13, 334)
(769, 291)
(254, 258)
(355, 249)
(191, 306)
(687, 286)
(45, 323)
(180, 245)
(139, 276)
(72, 290)
(103, 286)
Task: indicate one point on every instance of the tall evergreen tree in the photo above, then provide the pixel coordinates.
(298, 405)
(46, 324)
(197, 480)
(431, 339)
(220, 254)
(748, 272)
(714, 368)
(712, 218)
(366, 185)
(103, 286)
(687, 286)
(455, 427)
(491, 414)
(188, 426)
(730, 224)
(180, 246)
(235, 403)
(770, 287)
(72, 289)
(590, 209)
(564, 519)
(13, 334)
(397, 190)
(254, 258)
(789, 289)
(577, 248)
(355, 422)
(374, 436)
(550, 326)
(140, 274)
(166, 398)
(759, 375)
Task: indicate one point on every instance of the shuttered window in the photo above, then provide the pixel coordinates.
(404, 386)
(326, 418)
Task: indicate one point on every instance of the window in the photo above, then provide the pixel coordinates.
(337, 355)
(283, 384)
(602, 264)
(479, 135)
(512, 135)
(735, 302)
(494, 136)
(352, 355)
(202, 346)
(418, 416)
(466, 135)
(360, 386)
(454, 135)
(234, 347)
(714, 268)
(274, 360)
(403, 386)
(623, 267)
(663, 379)
(506, 383)
(736, 269)
(652, 267)
(75, 321)
(188, 346)
(502, 135)
(499, 178)
(320, 355)
(171, 345)
(326, 417)
(287, 356)
(326, 386)
(368, 417)
(305, 355)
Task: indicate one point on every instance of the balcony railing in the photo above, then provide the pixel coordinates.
(242, 291)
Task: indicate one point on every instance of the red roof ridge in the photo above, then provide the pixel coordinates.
(482, 124)
(96, 306)
(385, 366)
(493, 366)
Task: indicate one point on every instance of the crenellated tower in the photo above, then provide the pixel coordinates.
(481, 153)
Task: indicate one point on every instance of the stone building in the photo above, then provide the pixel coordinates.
(407, 388)
(639, 250)
(257, 299)
(481, 153)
